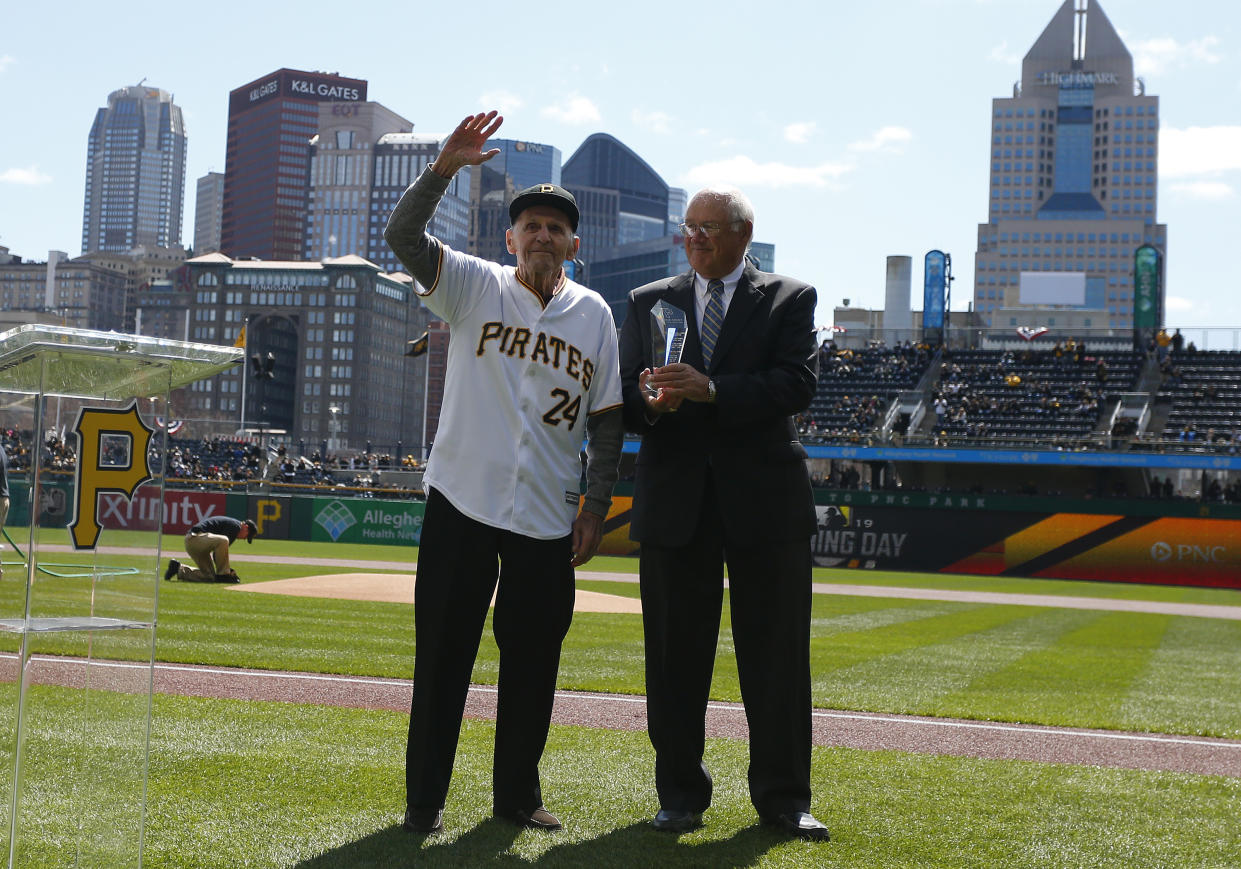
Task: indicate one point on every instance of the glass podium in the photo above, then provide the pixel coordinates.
(86, 414)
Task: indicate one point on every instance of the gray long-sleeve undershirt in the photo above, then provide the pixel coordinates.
(420, 253)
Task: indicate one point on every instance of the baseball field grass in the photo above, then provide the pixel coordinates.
(246, 783)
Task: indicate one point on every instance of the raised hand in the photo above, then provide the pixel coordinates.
(464, 146)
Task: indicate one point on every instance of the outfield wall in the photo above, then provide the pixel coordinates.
(1170, 543)
(1118, 540)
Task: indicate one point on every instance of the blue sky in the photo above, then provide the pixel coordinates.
(859, 130)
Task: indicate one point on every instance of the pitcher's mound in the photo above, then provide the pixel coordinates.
(399, 588)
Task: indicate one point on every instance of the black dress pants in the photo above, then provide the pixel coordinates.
(457, 575)
(770, 595)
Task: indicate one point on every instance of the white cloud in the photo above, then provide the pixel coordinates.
(1155, 56)
(883, 139)
(575, 111)
(800, 132)
(505, 102)
(1199, 151)
(1003, 54)
(743, 172)
(656, 122)
(6, 60)
(1203, 189)
(30, 176)
(1177, 304)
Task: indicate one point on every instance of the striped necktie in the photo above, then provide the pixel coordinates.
(712, 319)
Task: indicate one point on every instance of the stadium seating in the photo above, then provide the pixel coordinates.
(985, 396)
(1203, 389)
(856, 386)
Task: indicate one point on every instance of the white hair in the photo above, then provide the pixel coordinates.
(738, 204)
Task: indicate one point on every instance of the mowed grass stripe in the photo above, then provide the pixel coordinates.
(872, 614)
(928, 680)
(842, 651)
(1192, 678)
(1082, 679)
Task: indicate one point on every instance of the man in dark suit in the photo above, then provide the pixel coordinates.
(722, 477)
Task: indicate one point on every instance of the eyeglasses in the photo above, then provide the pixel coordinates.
(710, 229)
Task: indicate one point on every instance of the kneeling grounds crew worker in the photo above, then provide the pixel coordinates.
(207, 543)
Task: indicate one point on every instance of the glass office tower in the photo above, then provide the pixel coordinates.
(135, 172)
(1074, 157)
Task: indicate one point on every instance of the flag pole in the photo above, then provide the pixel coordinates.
(245, 367)
(426, 395)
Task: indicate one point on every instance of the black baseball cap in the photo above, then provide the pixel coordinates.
(254, 530)
(550, 195)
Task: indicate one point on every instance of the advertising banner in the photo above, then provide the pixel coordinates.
(181, 509)
(1146, 295)
(55, 502)
(935, 264)
(1113, 548)
(366, 520)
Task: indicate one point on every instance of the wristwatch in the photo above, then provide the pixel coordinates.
(710, 392)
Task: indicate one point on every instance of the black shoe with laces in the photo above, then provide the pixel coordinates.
(535, 819)
(423, 820)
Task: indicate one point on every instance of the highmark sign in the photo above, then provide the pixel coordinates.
(367, 521)
(1076, 79)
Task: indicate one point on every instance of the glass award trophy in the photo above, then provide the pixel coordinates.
(668, 328)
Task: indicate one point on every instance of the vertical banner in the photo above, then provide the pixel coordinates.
(1147, 295)
(934, 270)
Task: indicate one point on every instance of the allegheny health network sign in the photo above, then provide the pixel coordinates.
(366, 520)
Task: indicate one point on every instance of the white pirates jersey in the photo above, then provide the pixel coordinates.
(520, 383)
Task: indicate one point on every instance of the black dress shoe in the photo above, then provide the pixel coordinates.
(676, 820)
(535, 819)
(800, 825)
(423, 820)
(173, 567)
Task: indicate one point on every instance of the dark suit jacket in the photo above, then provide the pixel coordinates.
(765, 367)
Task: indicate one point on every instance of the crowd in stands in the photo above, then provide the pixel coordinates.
(228, 460)
(1034, 394)
(1203, 393)
(856, 387)
(1050, 397)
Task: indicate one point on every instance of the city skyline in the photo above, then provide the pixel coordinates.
(855, 140)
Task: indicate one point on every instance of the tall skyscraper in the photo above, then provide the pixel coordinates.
(527, 163)
(135, 172)
(399, 159)
(208, 209)
(630, 220)
(621, 198)
(267, 161)
(1074, 156)
(342, 167)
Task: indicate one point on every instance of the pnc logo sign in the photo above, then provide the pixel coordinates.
(1193, 553)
